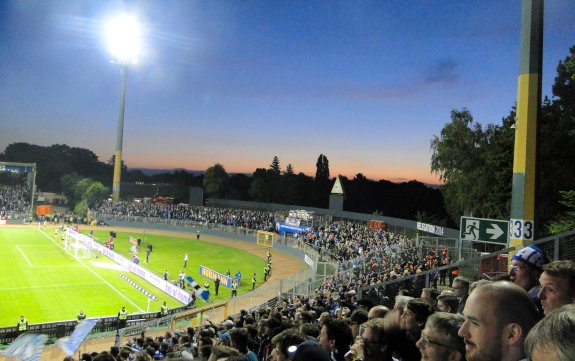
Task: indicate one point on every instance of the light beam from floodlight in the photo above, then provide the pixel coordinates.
(124, 35)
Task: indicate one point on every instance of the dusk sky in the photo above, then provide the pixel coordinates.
(367, 83)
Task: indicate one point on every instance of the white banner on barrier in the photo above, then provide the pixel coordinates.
(165, 286)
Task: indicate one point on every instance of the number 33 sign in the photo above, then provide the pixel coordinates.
(521, 229)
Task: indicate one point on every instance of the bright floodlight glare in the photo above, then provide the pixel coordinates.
(124, 35)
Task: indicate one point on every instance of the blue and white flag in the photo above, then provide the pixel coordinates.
(27, 347)
(72, 343)
(204, 294)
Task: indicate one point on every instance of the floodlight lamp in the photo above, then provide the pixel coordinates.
(124, 35)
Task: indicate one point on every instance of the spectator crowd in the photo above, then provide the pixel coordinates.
(481, 320)
(528, 313)
(14, 199)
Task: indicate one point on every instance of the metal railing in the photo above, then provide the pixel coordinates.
(487, 266)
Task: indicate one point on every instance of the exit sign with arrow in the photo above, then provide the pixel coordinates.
(484, 230)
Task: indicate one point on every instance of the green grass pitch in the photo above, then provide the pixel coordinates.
(42, 281)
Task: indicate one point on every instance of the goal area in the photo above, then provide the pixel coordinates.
(76, 247)
(266, 239)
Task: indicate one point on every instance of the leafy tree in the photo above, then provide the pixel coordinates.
(216, 180)
(259, 190)
(69, 182)
(289, 169)
(457, 159)
(564, 221)
(95, 193)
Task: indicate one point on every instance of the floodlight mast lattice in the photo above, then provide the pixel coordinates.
(123, 35)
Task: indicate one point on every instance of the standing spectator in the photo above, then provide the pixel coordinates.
(412, 322)
(122, 317)
(217, 285)
(311, 350)
(453, 273)
(357, 318)
(439, 340)
(447, 303)
(552, 338)
(377, 342)
(239, 277)
(22, 325)
(498, 316)
(378, 311)
(461, 290)
(335, 336)
(557, 285)
(526, 268)
(164, 309)
(239, 338)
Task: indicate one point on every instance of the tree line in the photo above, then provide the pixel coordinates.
(78, 174)
(476, 163)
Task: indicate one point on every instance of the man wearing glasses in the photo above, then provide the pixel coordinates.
(439, 340)
(376, 343)
(526, 268)
(461, 290)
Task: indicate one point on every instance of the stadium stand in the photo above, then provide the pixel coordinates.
(373, 268)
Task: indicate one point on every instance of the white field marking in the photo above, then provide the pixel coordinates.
(95, 274)
(45, 246)
(106, 265)
(50, 286)
(23, 255)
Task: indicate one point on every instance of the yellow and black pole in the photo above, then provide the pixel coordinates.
(522, 223)
(119, 138)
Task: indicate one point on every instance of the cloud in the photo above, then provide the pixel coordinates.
(441, 71)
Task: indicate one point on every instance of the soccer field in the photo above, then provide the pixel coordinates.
(42, 281)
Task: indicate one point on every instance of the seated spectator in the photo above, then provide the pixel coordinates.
(552, 338)
(557, 285)
(498, 316)
(439, 340)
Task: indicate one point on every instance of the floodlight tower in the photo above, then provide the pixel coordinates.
(124, 35)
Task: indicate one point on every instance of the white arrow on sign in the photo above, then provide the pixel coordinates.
(495, 231)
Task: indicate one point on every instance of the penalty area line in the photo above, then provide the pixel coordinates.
(23, 255)
(97, 275)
